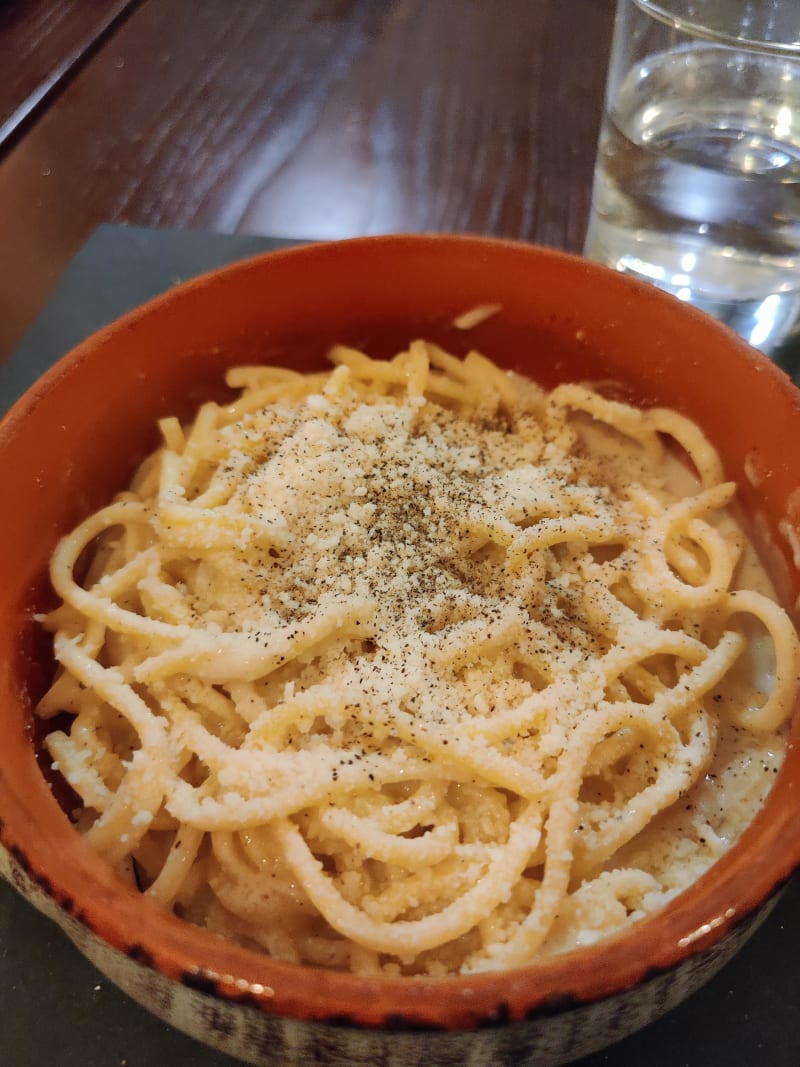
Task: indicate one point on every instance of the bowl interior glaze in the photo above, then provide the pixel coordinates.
(76, 436)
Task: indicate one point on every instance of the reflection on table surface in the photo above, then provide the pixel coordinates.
(309, 118)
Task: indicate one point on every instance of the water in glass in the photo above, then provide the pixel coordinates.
(697, 184)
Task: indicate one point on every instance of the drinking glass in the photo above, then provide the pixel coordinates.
(697, 180)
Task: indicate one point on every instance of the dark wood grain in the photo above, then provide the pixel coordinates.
(41, 43)
(313, 118)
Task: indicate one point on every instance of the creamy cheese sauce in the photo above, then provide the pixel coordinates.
(416, 668)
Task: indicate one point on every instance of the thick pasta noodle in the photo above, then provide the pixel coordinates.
(412, 667)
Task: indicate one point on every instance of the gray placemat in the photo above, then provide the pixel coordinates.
(58, 1010)
(117, 269)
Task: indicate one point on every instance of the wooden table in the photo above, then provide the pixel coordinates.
(295, 118)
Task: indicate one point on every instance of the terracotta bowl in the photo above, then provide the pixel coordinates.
(75, 438)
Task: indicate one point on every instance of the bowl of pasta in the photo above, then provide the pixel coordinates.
(399, 652)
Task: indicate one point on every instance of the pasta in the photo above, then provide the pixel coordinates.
(412, 667)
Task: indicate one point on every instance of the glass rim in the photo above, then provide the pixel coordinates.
(661, 10)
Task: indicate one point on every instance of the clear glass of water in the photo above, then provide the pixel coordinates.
(697, 180)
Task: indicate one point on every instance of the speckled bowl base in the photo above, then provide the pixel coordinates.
(265, 1040)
